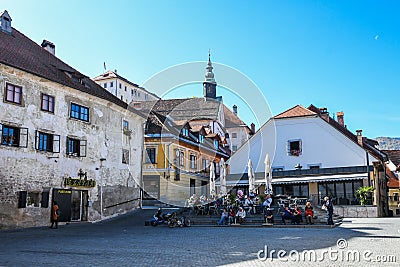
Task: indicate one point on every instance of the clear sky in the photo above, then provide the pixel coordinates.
(343, 55)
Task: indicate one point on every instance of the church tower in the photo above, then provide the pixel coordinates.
(210, 85)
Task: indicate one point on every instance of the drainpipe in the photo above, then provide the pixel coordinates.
(141, 166)
(368, 174)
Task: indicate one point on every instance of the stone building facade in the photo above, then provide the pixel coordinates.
(63, 138)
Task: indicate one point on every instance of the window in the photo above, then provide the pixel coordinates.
(234, 135)
(151, 155)
(185, 132)
(13, 93)
(138, 94)
(125, 156)
(13, 136)
(135, 92)
(125, 88)
(47, 142)
(32, 199)
(105, 85)
(120, 86)
(277, 169)
(204, 165)
(234, 148)
(145, 96)
(122, 98)
(125, 125)
(201, 138)
(131, 91)
(48, 103)
(294, 148)
(216, 145)
(193, 162)
(76, 147)
(313, 167)
(79, 112)
(182, 159)
(111, 84)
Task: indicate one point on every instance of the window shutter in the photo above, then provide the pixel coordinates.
(23, 137)
(45, 199)
(37, 139)
(82, 148)
(1, 133)
(56, 144)
(22, 199)
(288, 147)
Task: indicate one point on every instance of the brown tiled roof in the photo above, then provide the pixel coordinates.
(296, 111)
(393, 181)
(231, 119)
(18, 51)
(394, 156)
(186, 109)
(368, 144)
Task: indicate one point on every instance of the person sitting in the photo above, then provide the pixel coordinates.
(268, 215)
(268, 201)
(309, 213)
(248, 204)
(297, 218)
(287, 215)
(240, 215)
(224, 217)
(231, 216)
(252, 195)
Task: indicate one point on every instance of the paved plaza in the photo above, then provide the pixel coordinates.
(125, 241)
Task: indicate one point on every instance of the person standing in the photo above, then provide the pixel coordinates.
(55, 213)
(328, 206)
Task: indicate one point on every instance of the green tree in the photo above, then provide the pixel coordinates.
(363, 192)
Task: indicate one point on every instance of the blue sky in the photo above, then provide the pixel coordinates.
(343, 55)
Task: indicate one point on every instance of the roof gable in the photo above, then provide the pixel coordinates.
(296, 111)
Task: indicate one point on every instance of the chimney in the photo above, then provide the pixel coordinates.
(235, 109)
(340, 118)
(324, 113)
(5, 22)
(253, 127)
(359, 137)
(49, 46)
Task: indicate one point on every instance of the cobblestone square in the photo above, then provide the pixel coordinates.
(125, 241)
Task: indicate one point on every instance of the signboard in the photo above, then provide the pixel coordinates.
(79, 182)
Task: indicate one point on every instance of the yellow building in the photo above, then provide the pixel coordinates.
(177, 158)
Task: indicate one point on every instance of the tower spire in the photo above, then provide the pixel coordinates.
(209, 85)
(209, 74)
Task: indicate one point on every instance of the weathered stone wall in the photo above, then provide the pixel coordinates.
(26, 169)
(356, 211)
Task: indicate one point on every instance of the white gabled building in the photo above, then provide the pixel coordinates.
(312, 156)
(124, 89)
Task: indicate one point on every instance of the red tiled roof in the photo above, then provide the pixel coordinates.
(393, 181)
(18, 51)
(296, 111)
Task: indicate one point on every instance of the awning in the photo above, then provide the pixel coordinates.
(305, 179)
